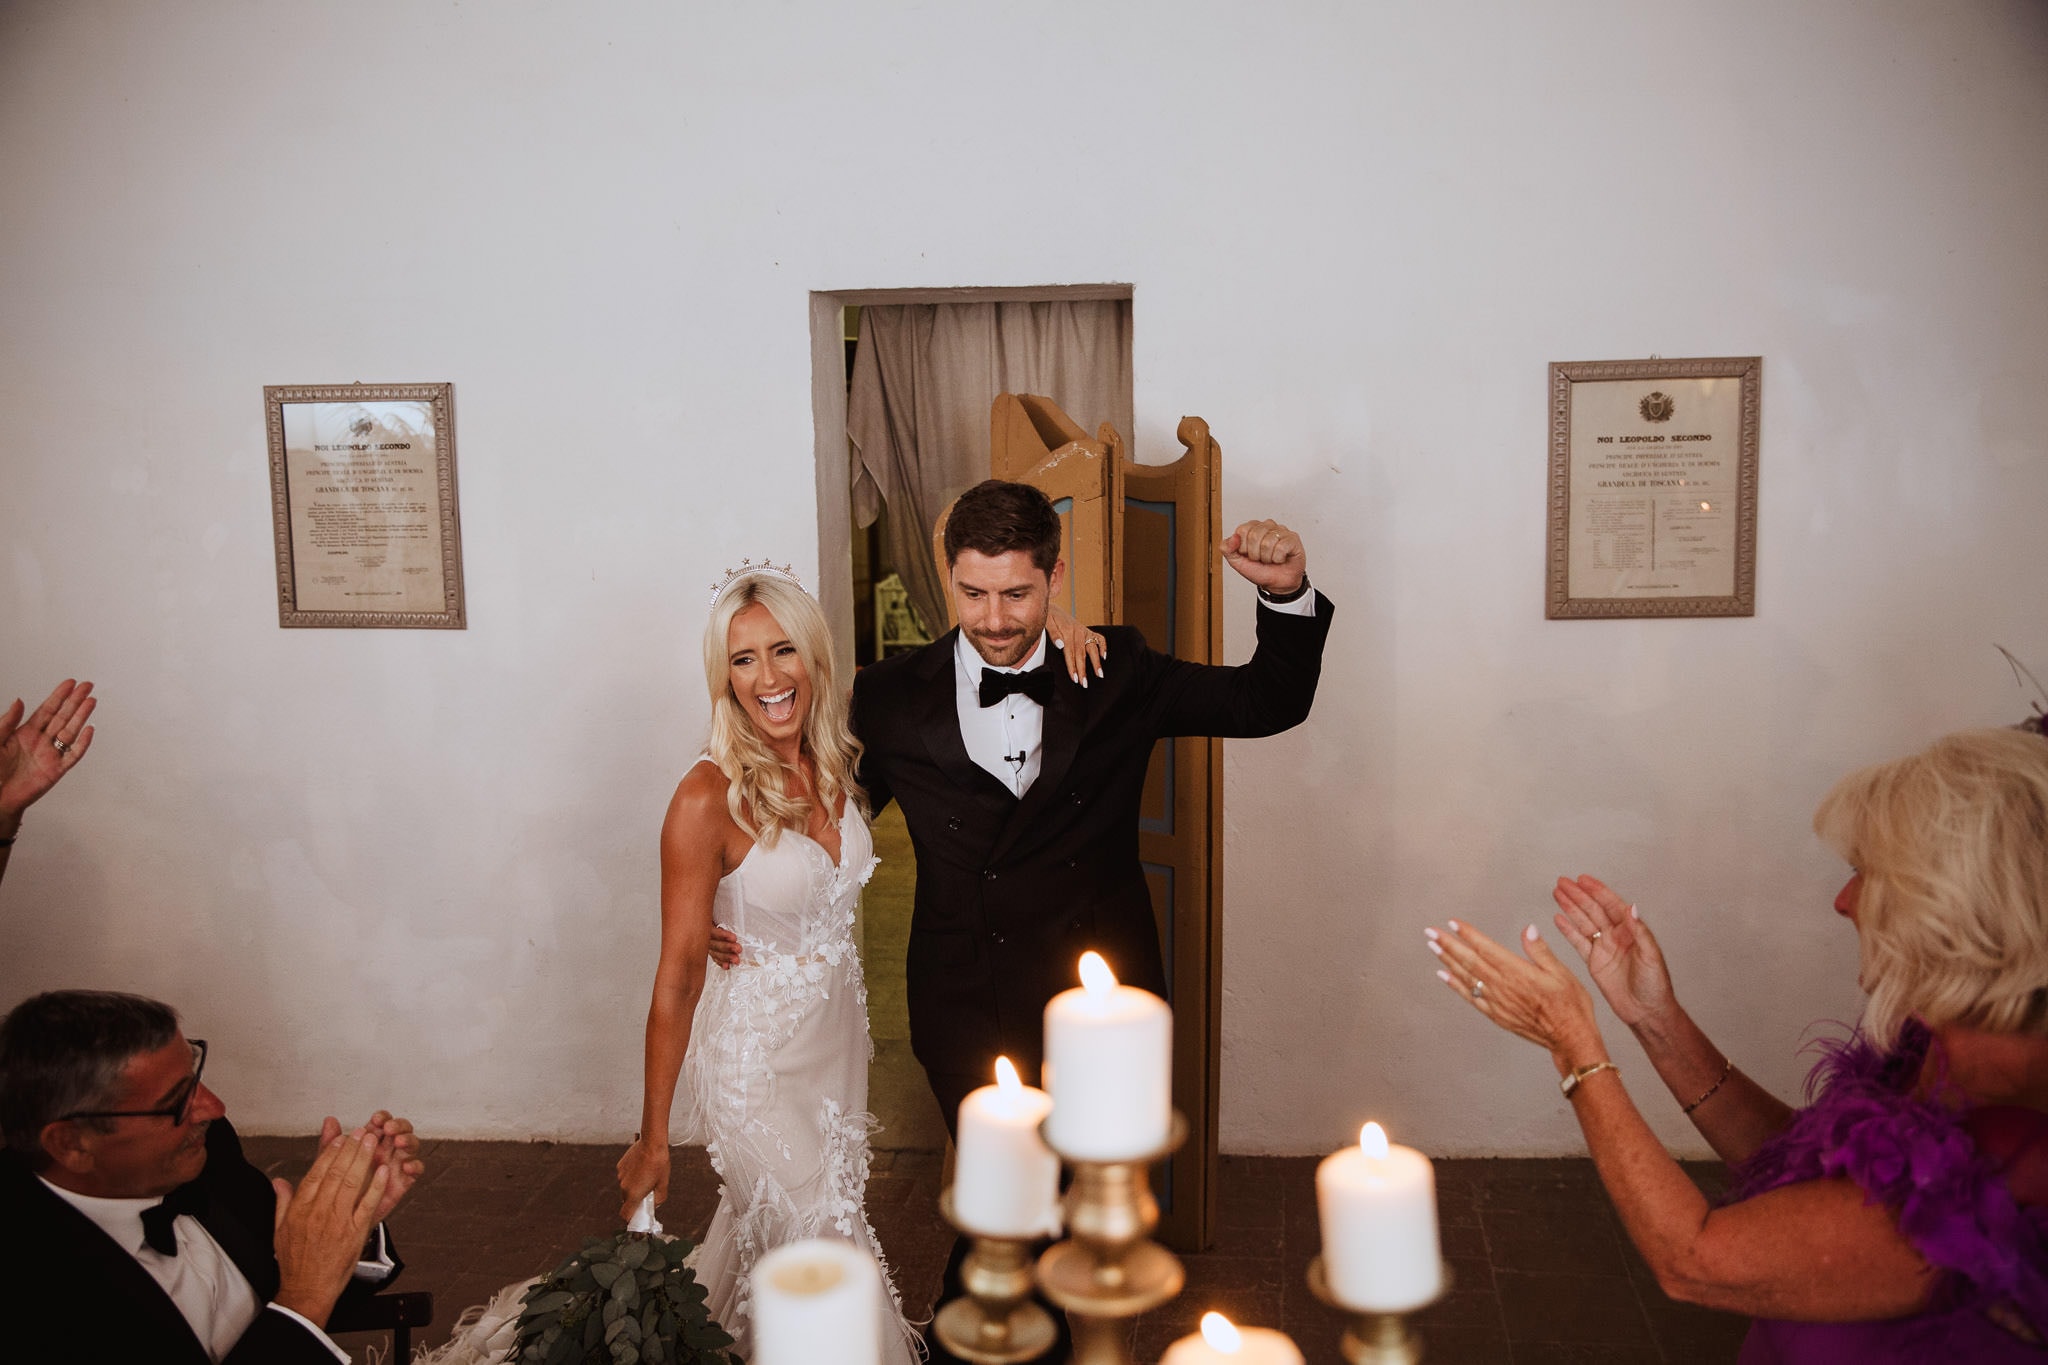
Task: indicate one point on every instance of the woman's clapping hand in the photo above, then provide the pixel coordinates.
(1534, 996)
(1617, 947)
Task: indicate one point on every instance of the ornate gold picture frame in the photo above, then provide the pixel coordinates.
(362, 497)
(1653, 487)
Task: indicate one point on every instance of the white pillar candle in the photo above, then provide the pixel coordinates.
(1006, 1181)
(1109, 1066)
(817, 1300)
(1378, 1208)
(1222, 1343)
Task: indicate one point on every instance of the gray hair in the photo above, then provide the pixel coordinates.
(63, 1051)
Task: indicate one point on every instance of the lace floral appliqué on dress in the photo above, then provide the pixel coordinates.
(775, 1085)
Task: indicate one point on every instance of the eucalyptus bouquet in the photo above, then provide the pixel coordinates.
(621, 1300)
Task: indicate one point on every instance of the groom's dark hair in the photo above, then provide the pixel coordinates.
(995, 517)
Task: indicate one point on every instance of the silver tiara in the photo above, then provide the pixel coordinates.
(749, 569)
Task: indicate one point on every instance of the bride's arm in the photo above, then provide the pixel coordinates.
(692, 860)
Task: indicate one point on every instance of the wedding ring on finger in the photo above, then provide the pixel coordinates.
(1596, 935)
(60, 746)
(1478, 989)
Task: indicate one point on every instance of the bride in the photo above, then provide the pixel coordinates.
(765, 836)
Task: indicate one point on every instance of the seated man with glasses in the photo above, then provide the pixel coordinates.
(131, 1225)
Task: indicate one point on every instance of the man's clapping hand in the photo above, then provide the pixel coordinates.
(398, 1148)
(321, 1225)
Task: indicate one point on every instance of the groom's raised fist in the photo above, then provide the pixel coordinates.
(1268, 555)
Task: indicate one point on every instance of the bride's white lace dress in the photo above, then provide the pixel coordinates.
(775, 1085)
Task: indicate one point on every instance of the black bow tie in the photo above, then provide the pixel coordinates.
(156, 1222)
(1036, 684)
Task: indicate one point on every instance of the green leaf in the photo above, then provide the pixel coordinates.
(633, 1253)
(551, 1302)
(604, 1275)
(626, 1292)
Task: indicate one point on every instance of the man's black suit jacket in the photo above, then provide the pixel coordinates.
(79, 1295)
(1010, 892)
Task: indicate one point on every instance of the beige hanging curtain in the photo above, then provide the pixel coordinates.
(924, 377)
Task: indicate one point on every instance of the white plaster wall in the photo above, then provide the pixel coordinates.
(417, 868)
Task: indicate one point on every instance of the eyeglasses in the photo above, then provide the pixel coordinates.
(174, 1109)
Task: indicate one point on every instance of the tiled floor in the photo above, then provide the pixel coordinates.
(1543, 1273)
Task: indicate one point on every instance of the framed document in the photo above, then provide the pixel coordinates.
(362, 494)
(1653, 480)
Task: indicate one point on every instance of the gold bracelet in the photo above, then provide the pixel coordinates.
(1727, 1070)
(1570, 1080)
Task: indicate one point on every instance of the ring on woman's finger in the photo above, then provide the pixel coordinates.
(1478, 989)
(60, 746)
(1596, 935)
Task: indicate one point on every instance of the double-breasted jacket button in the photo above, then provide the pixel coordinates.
(989, 875)
(1073, 862)
(953, 822)
(995, 938)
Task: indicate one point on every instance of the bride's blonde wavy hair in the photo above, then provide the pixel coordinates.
(761, 791)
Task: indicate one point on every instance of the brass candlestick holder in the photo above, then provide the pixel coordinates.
(1109, 1270)
(995, 1323)
(1373, 1337)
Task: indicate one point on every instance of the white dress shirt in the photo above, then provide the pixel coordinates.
(1008, 739)
(203, 1280)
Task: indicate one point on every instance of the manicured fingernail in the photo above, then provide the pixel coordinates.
(1634, 913)
(1443, 976)
(1430, 934)
(1531, 934)
(1453, 926)
(1436, 947)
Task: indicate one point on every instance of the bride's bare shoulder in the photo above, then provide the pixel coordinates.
(700, 798)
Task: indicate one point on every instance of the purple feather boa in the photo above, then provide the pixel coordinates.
(1914, 1155)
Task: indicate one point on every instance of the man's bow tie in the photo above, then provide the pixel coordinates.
(156, 1222)
(1036, 684)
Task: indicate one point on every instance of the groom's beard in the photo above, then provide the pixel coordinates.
(1006, 651)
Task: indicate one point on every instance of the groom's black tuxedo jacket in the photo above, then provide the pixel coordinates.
(73, 1293)
(1010, 892)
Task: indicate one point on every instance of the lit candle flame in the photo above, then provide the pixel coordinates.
(1096, 975)
(1218, 1332)
(1006, 1078)
(1373, 1140)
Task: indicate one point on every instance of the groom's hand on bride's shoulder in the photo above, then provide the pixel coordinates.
(725, 947)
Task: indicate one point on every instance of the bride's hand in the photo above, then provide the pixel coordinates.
(1081, 645)
(643, 1170)
(1617, 946)
(725, 947)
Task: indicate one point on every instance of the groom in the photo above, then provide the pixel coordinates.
(1021, 787)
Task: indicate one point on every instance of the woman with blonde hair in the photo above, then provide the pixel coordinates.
(766, 836)
(1902, 1215)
